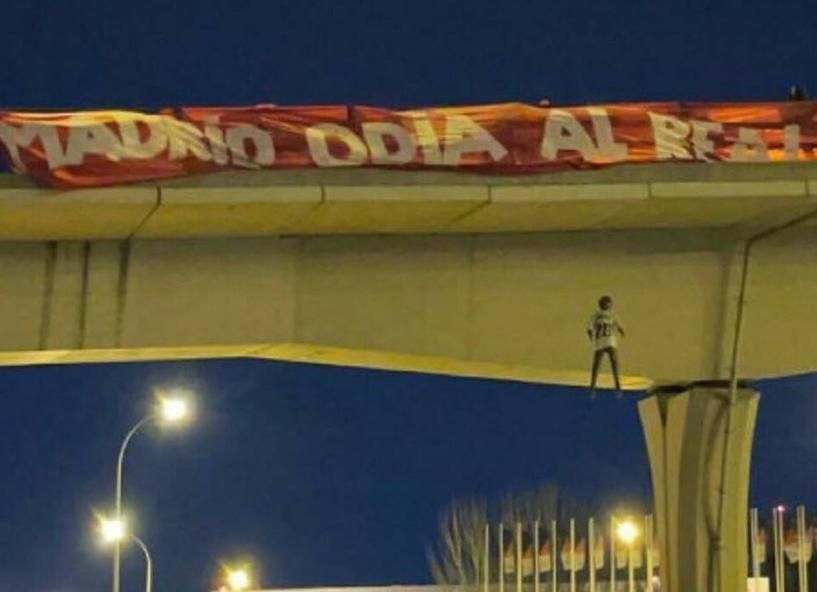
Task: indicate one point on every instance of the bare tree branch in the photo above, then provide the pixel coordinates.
(458, 558)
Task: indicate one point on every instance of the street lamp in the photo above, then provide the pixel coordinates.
(171, 409)
(114, 531)
(238, 580)
(627, 532)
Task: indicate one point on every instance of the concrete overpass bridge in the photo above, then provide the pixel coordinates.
(465, 270)
(447, 273)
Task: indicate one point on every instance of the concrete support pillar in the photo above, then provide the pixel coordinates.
(102, 297)
(685, 436)
(64, 296)
(80, 295)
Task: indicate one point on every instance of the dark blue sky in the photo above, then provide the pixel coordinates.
(325, 475)
(98, 53)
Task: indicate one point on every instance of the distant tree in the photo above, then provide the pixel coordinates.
(539, 504)
(457, 559)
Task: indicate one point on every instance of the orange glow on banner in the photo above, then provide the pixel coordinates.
(98, 148)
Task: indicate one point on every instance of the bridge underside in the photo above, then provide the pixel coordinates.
(331, 356)
(439, 272)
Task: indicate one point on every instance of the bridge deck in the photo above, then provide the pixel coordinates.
(315, 202)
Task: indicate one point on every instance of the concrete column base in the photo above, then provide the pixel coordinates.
(685, 436)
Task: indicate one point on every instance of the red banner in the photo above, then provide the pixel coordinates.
(97, 148)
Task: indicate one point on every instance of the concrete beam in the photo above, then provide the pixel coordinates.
(366, 201)
(391, 209)
(187, 212)
(331, 356)
(92, 214)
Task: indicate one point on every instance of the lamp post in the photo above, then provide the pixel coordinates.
(170, 411)
(148, 564)
(118, 499)
(115, 531)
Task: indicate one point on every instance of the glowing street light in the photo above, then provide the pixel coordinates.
(238, 577)
(627, 532)
(114, 531)
(171, 409)
(238, 580)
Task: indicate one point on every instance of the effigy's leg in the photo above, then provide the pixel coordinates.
(613, 353)
(595, 372)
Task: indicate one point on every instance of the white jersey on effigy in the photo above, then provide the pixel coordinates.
(605, 329)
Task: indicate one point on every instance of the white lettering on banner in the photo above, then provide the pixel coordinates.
(185, 138)
(791, 141)
(607, 149)
(702, 144)
(432, 138)
(237, 139)
(671, 136)
(564, 133)
(91, 139)
(132, 146)
(215, 139)
(317, 138)
(464, 136)
(428, 142)
(750, 147)
(375, 133)
(14, 138)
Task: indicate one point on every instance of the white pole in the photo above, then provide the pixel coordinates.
(554, 556)
(120, 462)
(806, 538)
(536, 556)
(148, 564)
(591, 553)
(775, 558)
(754, 533)
(648, 543)
(612, 554)
(779, 575)
(501, 536)
(802, 570)
(486, 558)
(781, 524)
(572, 555)
(518, 557)
(631, 567)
